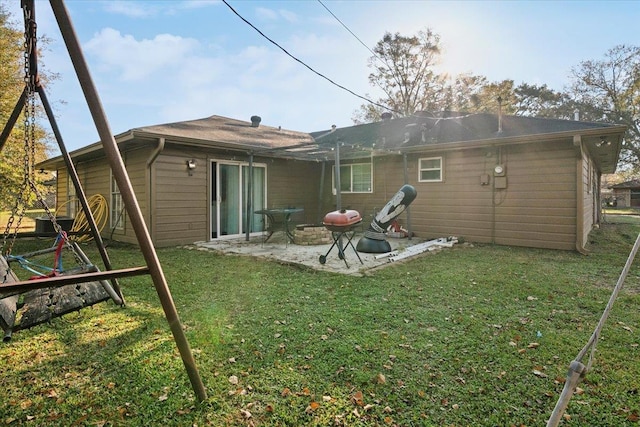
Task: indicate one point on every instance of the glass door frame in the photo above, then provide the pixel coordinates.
(215, 205)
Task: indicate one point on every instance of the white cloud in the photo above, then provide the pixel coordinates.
(129, 8)
(288, 15)
(197, 4)
(266, 14)
(136, 59)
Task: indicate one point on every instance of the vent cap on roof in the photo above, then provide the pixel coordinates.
(255, 121)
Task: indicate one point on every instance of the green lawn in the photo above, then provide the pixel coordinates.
(470, 336)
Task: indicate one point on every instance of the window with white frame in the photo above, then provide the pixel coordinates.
(430, 169)
(355, 178)
(116, 214)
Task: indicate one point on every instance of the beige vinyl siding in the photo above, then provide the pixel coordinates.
(589, 196)
(387, 178)
(459, 205)
(540, 198)
(180, 204)
(61, 192)
(536, 209)
(294, 183)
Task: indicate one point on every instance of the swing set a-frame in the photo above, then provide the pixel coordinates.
(60, 291)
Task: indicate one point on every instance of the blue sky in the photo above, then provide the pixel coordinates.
(164, 61)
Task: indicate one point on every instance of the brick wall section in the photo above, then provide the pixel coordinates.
(308, 235)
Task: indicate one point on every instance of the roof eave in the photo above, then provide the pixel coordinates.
(517, 140)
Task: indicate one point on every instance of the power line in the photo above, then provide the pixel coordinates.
(307, 66)
(348, 29)
(361, 42)
(437, 119)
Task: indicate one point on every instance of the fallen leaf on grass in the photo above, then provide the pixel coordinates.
(245, 413)
(233, 380)
(380, 378)
(312, 407)
(357, 398)
(305, 392)
(540, 374)
(533, 345)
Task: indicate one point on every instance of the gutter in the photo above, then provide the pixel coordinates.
(524, 139)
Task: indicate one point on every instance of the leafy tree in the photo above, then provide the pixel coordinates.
(11, 86)
(609, 90)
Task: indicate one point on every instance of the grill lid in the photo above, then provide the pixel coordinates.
(342, 219)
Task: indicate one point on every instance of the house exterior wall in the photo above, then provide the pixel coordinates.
(623, 197)
(587, 196)
(180, 199)
(175, 201)
(548, 197)
(95, 178)
(537, 208)
(178, 208)
(295, 184)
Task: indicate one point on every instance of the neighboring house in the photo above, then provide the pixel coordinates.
(486, 178)
(626, 194)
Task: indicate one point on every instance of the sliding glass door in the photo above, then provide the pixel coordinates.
(231, 185)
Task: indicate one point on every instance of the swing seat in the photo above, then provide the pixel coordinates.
(41, 305)
(9, 305)
(38, 306)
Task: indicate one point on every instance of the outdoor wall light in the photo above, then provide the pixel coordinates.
(603, 142)
(191, 164)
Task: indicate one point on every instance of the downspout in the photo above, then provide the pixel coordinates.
(406, 181)
(577, 142)
(150, 192)
(337, 177)
(320, 208)
(249, 198)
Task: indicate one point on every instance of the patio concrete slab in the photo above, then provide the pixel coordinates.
(309, 255)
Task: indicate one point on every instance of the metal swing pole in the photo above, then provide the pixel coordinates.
(73, 174)
(128, 196)
(13, 118)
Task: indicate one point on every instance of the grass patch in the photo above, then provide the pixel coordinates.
(445, 339)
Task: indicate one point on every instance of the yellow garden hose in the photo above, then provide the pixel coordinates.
(100, 211)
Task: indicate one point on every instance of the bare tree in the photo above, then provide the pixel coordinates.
(403, 70)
